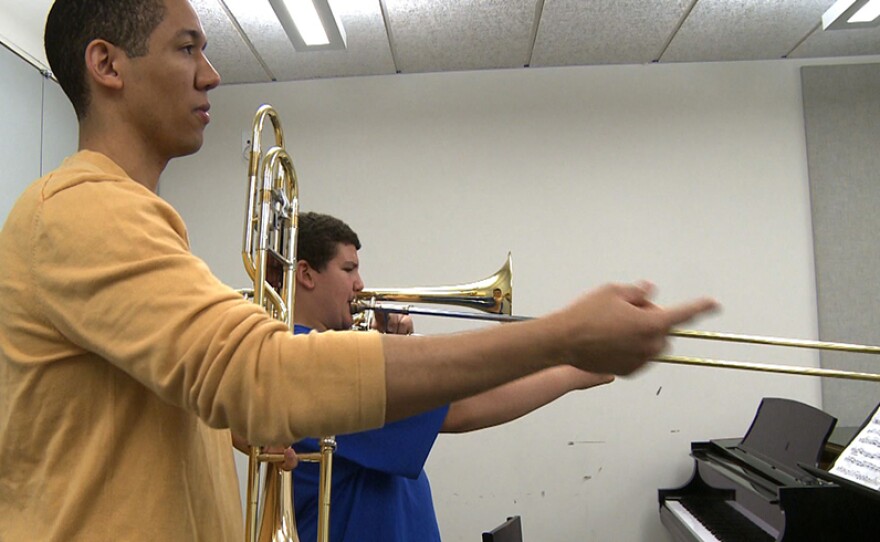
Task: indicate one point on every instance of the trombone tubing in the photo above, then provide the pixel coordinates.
(767, 368)
(690, 334)
(773, 341)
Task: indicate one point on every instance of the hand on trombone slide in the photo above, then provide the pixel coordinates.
(615, 316)
(617, 328)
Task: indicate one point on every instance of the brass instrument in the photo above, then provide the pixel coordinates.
(269, 255)
(479, 295)
(492, 295)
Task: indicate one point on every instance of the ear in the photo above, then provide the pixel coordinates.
(305, 275)
(102, 59)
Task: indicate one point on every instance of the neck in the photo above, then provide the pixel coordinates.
(311, 324)
(139, 160)
(305, 314)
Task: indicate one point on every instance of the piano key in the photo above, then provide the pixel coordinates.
(690, 522)
(725, 522)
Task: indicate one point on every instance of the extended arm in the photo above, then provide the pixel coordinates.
(197, 344)
(510, 401)
(614, 329)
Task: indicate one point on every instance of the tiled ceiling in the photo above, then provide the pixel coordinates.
(414, 36)
(247, 44)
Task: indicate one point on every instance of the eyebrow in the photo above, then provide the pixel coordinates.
(195, 35)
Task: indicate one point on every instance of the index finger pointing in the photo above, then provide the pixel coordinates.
(684, 312)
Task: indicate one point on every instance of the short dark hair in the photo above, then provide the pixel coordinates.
(73, 24)
(317, 237)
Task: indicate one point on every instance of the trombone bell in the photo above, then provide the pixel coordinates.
(493, 294)
(277, 518)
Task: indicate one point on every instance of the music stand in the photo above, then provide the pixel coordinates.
(509, 531)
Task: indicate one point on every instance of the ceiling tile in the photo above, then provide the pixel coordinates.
(719, 30)
(573, 32)
(447, 35)
(821, 43)
(227, 50)
(367, 51)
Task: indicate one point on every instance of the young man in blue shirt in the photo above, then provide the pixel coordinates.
(379, 488)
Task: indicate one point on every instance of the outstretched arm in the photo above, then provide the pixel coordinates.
(614, 329)
(515, 399)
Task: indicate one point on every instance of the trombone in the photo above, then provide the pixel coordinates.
(493, 296)
(269, 255)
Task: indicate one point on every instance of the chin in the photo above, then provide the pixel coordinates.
(191, 149)
(188, 147)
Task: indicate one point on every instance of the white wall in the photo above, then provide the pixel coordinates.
(60, 129)
(693, 176)
(37, 130)
(21, 28)
(20, 142)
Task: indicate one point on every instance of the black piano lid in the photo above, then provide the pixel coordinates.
(783, 435)
(788, 433)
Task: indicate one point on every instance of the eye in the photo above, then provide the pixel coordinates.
(188, 49)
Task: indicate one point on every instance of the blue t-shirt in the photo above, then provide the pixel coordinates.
(379, 487)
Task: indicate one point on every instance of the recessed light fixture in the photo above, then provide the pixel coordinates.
(846, 14)
(310, 24)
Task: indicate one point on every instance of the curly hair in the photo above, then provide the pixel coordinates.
(73, 24)
(317, 237)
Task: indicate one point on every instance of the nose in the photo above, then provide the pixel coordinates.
(207, 77)
(358, 283)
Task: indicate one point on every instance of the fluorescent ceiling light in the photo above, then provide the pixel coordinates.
(868, 13)
(846, 14)
(307, 21)
(310, 24)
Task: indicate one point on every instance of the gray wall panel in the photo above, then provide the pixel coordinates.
(59, 126)
(21, 95)
(842, 119)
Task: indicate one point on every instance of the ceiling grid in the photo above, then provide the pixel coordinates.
(249, 45)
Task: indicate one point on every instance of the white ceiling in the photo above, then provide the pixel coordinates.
(247, 44)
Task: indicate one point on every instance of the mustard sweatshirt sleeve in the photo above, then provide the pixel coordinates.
(112, 272)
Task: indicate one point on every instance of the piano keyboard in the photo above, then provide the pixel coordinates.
(716, 521)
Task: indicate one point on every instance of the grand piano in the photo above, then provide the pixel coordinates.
(770, 485)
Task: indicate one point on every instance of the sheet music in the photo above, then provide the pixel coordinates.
(860, 461)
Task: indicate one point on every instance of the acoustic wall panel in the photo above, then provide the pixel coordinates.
(842, 117)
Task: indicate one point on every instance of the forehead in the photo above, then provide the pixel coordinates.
(180, 20)
(346, 252)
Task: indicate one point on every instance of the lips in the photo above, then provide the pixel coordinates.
(203, 114)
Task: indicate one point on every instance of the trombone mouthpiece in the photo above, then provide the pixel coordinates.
(362, 305)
